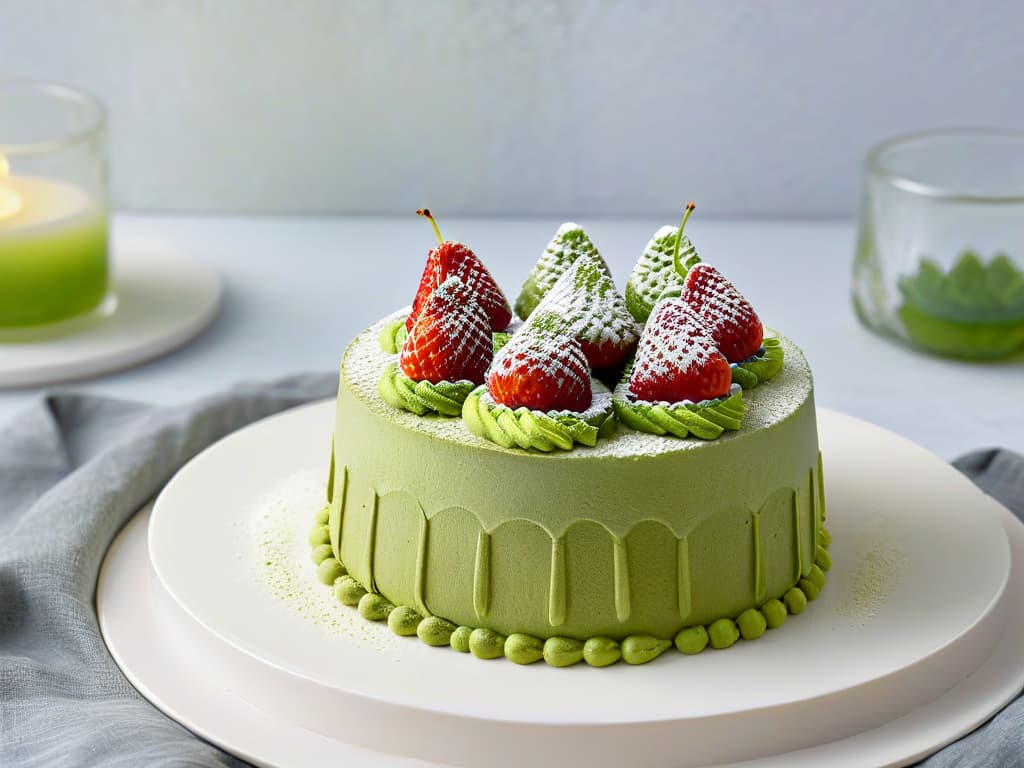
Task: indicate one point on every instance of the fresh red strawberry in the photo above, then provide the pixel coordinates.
(676, 359)
(451, 338)
(452, 258)
(728, 316)
(543, 372)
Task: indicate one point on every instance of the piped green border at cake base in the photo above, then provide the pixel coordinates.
(707, 419)
(535, 430)
(422, 397)
(521, 648)
(761, 367)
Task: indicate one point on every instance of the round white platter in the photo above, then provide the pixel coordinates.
(910, 645)
(161, 300)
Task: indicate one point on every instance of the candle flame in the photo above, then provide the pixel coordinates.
(10, 201)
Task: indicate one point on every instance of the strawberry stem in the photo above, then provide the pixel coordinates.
(679, 240)
(425, 213)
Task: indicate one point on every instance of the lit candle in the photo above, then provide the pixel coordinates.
(53, 249)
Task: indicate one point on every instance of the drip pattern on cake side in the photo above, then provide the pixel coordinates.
(587, 580)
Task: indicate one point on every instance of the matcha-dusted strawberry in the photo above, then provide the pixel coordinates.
(660, 267)
(451, 338)
(542, 372)
(676, 359)
(728, 316)
(569, 243)
(454, 259)
(585, 304)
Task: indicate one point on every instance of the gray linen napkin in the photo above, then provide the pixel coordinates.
(74, 468)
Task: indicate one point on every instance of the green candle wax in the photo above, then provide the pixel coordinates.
(53, 252)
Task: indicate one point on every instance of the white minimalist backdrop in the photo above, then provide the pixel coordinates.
(582, 107)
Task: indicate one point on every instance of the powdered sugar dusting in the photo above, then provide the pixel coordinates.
(655, 269)
(569, 244)
(451, 338)
(674, 341)
(766, 405)
(453, 259)
(599, 405)
(729, 317)
(585, 303)
(549, 365)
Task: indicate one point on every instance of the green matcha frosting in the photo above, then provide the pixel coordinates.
(750, 373)
(569, 243)
(535, 430)
(422, 397)
(392, 335)
(601, 651)
(706, 420)
(655, 272)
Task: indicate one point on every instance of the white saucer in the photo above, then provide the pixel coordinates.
(243, 669)
(162, 299)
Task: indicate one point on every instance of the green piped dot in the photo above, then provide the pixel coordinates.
(460, 639)
(348, 591)
(320, 534)
(374, 607)
(809, 588)
(817, 577)
(774, 613)
(323, 516)
(601, 651)
(640, 649)
(824, 538)
(523, 649)
(692, 640)
(320, 553)
(435, 631)
(822, 558)
(486, 643)
(562, 651)
(330, 570)
(796, 601)
(723, 633)
(403, 621)
(751, 623)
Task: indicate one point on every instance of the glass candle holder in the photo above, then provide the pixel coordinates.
(54, 208)
(940, 252)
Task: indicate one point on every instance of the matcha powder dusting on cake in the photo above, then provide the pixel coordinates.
(569, 243)
(280, 558)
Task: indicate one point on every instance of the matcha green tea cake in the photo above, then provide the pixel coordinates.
(488, 494)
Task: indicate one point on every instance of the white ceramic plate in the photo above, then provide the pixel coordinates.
(162, 300)
(904, 619)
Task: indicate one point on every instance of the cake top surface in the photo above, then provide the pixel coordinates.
(768, 404)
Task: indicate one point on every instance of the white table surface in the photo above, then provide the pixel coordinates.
(298, 288)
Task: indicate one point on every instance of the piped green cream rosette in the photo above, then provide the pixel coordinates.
(707, 419)
(422, 397)
(392, 335)
(536, 430)
(761, 367)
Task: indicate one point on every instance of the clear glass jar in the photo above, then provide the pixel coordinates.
(940, 252)
(54, 204)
